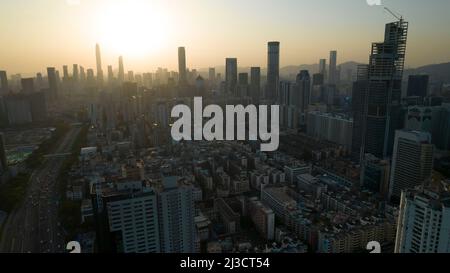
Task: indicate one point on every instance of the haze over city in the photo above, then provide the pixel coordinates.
(201, 126)
(39, 33)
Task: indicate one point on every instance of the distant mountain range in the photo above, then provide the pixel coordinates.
(437, 72)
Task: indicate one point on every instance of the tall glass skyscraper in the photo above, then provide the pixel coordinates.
(333, 69)
(182, 65)
(231, 75)
(121, 75)
(273, 71)
(99, 64)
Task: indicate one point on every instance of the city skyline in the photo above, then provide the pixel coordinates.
(304, 38)
(163, 138)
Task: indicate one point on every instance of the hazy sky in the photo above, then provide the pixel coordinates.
(35, 34)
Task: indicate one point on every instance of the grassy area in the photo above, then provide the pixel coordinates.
(13, 192)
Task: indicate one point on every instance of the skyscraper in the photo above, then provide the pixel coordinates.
(121, 75)
(75, 74)
(318, 88)
(110, 73)
(39, 81)
(418, 85)
(303, 83)
(52, 83)
(182, 65)
(273, 71)
(323, 67)
(375, 174)
(255, 84)
(4, 88)
(212, 75)
(231, 75)
(424, 220)
(377, 94)
(82, 74)
(332, 71)
(289, 101)
(27, 85)
(99, 65)
(412, 161)
(65, 73)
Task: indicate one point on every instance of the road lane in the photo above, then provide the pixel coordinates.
(32, 227)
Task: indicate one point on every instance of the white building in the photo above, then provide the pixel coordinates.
(330, 127)
(176, 213)
(424, 221)
(134, 221)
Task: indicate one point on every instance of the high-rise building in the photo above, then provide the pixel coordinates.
(424, 220)
(418, 85)
(255, 84)
(3, 161)
(66, 74)
(243, 78)
(318, 79)
(126, 217)
(39, 81)
(375, 175)
(90, 78)
(231, 75)
(323, 67)
(318, 88)
(331, 127)
(110, 73)
(98, 58)
(273, 71)
(58, 78)
(212, 75)
(182, 65)
(82, 75)
(303, 82)
(288, 100)
(412, 161)
(52, 83)
(130, 76)
(333, 68)
(4, 88)
(377, 94)
(27, 85)
(19, 109)
(176, 214)
(441, 127)
(121, 75)
(75, 74)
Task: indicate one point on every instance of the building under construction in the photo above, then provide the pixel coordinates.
(377, 94)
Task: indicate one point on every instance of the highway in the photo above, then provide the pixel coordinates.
(33, 227)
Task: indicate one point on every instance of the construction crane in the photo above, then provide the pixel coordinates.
(397, 16)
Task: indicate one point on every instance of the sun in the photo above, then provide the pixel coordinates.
(134, 28)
